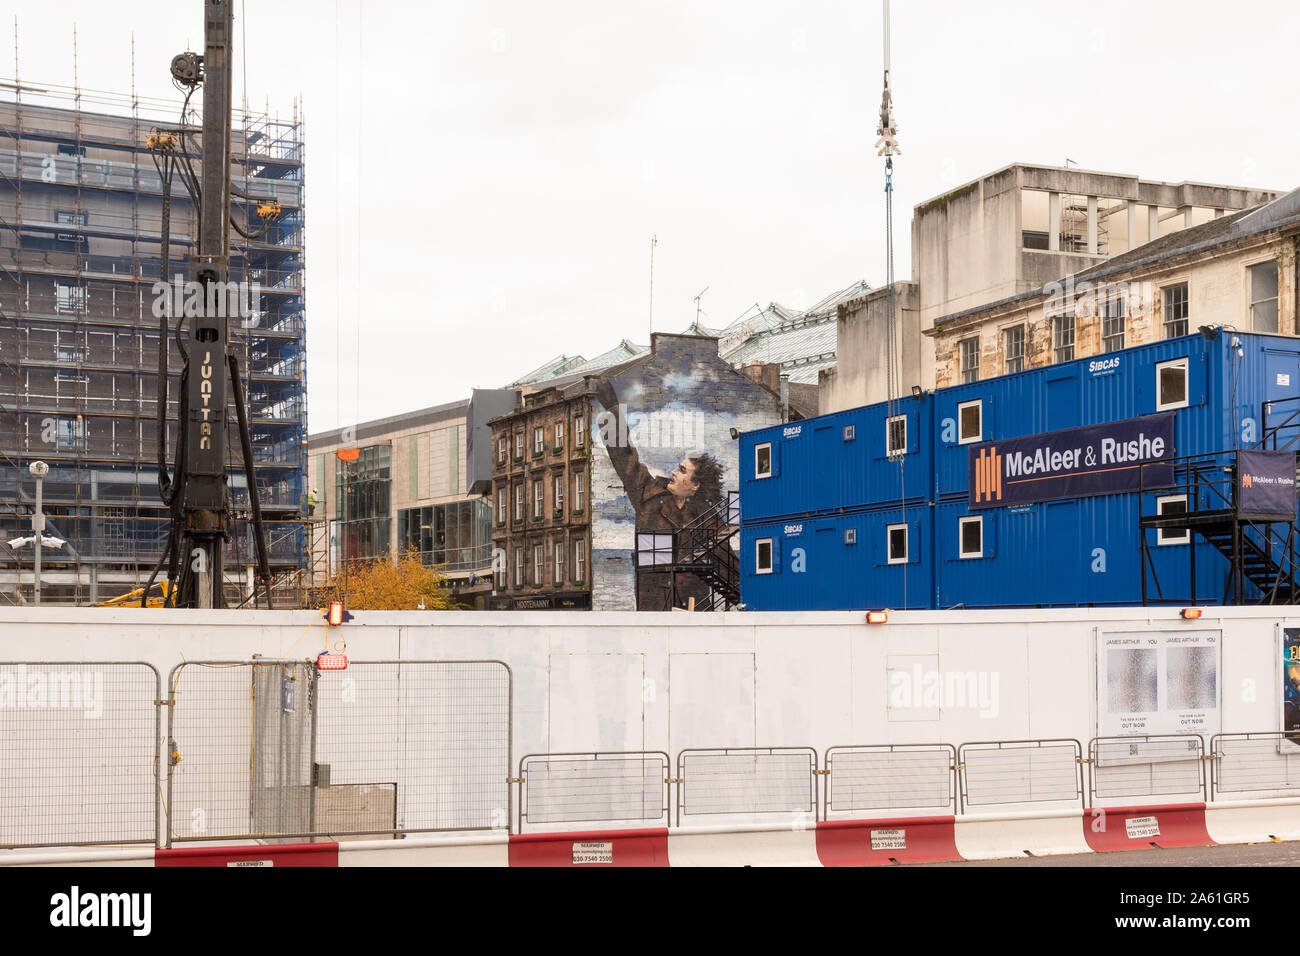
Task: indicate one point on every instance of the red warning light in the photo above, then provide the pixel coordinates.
(877, 617)
(1192, 613)
(332, 662)
(336, 613)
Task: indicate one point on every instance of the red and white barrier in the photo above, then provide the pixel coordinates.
(878, 842)
(887, 842)
(1143, 828)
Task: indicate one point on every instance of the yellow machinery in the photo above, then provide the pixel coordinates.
(132, 598)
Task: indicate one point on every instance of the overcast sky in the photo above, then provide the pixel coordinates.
(483, 178)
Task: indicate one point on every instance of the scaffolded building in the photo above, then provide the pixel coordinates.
(81, 214)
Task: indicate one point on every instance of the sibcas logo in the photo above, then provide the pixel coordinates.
(793, 530)
(1247, 481)
(988, 475)
(792, 431)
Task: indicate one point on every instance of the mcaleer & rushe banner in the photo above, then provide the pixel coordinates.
(1074, 462)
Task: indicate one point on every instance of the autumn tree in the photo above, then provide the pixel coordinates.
(390, 585)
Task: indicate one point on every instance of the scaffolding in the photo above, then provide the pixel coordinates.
(80, 243)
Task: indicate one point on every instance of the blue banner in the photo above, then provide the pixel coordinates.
(1073, 462)
(1267, 483)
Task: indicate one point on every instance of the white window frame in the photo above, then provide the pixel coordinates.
(1058, 323)
(1187, 383)
(890, 451)
(889, 541)
(557, 572)
(1006, 359)
(519, 444)
(1251, 301)
(1108, 305)
(559, 434)
(758, 550)
(757, 448)
(1164, 309)
(968, 373)
(539, 565)
(580, 560)
(578, 490)
(579, 432)
(539, 440)
(501, 450)
(503, 499)
(519, 567)
(1165, 537)
(519, 501)
(961, 536)
(978, 403)
(539, 498)
(558, 491)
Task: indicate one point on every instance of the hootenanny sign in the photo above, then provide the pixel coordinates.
(1074, 462)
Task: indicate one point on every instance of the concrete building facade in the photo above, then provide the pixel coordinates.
(1008, 235)
(408, 490)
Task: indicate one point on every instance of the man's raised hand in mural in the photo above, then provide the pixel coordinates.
(661, 504)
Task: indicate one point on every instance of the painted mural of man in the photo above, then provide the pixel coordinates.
(661, 504)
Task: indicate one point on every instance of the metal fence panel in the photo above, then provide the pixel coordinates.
(747, 780)
(281, 741)
(1266, 761)
(891, 777)
(1020, 771)
(234, 749)
(430, 739)
(1146, 766)
(607, 787)
(78, 753)
(274, 749)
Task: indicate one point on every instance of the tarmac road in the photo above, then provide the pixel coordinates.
(1245, 854)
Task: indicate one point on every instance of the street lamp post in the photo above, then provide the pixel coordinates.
(39, 470)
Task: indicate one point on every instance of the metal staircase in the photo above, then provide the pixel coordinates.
(705, 548)
(1261, 549)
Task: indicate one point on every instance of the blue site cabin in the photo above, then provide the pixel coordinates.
(874, 506)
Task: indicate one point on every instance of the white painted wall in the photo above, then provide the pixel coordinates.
(639, 681)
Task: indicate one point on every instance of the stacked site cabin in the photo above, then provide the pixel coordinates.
(871, 507)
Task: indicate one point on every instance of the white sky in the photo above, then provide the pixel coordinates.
(508, 160)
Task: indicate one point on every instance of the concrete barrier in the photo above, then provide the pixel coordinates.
(1143, 828)
(591, 848)
(427, 851)
(268, 855)
(743, 846)
(1253, 821)
(886, 842)
(1033, 833)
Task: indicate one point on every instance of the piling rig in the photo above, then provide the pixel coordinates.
(197, 492)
